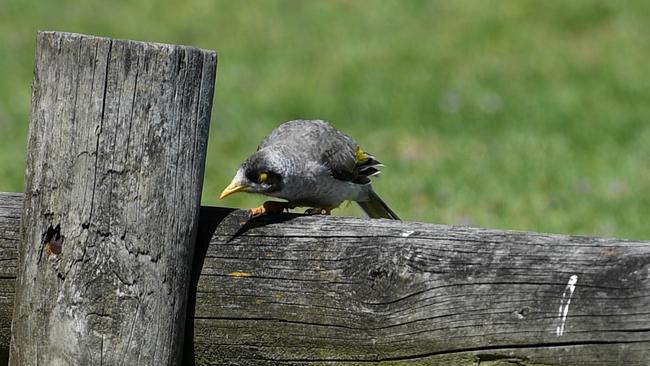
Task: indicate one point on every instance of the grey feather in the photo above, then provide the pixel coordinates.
(318, 168)
(317, 141)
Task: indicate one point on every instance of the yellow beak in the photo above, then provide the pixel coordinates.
(232, 188)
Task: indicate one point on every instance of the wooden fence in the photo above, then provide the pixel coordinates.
(113, 261)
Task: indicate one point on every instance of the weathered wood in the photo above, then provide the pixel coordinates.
(343, 291)
(116, 152)
(10, 209)
(314, 290)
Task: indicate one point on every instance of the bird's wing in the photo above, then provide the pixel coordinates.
(338, 154)
(321, 142)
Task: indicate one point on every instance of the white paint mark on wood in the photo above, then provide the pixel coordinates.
(564, 304)
(407, 233)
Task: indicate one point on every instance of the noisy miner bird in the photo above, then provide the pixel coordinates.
(309, 163)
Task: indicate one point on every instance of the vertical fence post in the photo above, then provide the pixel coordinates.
(117, 144)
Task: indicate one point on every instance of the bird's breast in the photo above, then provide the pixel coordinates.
(318, 190)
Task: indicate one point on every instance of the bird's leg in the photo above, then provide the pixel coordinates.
(319, 211)
(269, 207)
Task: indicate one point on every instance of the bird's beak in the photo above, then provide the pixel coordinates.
(232, 188)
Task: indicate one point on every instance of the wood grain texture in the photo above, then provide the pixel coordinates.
(344, 291)
(116, 152)
(11, 205)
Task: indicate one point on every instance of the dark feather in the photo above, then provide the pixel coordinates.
(376, 208)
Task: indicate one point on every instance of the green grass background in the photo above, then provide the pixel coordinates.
(527, 115)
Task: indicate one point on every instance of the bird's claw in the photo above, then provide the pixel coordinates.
(256, 211)
(268, 207)
(319, 211)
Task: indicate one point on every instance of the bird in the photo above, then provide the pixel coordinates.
(309, 163)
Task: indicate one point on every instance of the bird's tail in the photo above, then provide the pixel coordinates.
(376, 208)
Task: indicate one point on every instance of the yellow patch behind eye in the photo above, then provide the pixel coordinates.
(263, 176)
(361, 156)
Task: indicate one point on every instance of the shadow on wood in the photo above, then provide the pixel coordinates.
(231, 223)
(208, 224)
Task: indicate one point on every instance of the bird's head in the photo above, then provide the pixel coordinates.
(258, 174)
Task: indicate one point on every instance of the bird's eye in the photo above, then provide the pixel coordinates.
(262, 177)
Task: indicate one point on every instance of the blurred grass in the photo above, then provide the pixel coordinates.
(509, 114)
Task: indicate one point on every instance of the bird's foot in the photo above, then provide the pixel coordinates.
(319, 211)
(269, 207)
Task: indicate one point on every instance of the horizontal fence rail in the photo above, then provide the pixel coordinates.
(298, 290)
